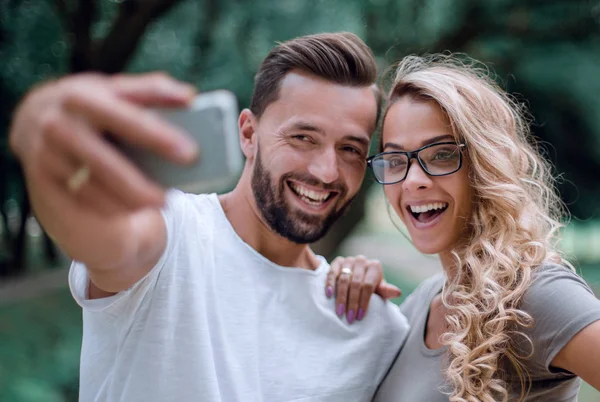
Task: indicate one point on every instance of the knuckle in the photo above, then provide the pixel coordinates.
(50, 122)
(368, 287)
(154, 128)
(150, 120)
(73, 83)
(378, 268)
(73, 96)
(118, 79)
(78, 78)
(361, 258)
(160, 76)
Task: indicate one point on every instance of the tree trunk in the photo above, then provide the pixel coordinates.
(110, 55)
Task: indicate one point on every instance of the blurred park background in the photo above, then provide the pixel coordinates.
(545, 52)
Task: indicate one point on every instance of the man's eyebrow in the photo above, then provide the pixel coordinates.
(426, 142)
(362, 140)
(306, 126)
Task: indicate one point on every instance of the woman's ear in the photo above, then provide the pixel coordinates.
(247, 126)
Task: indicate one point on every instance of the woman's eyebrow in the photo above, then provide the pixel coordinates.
(426, 142)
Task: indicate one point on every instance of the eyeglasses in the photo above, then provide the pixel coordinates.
(439, 159)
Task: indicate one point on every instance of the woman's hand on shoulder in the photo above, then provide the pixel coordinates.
(352, 280)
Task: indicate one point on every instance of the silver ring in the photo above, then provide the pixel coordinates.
(78, 179)
(346, 270)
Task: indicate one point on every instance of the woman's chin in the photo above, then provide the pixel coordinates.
(428, 251)
(427, 247)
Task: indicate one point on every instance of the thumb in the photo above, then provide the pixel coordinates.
(387, 290)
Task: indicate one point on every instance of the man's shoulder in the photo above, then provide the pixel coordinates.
(177, 198)
(387, 318)
(386, 328)
(191, 220)
(181, 207)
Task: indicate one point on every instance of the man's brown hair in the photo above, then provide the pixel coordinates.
(342, 58)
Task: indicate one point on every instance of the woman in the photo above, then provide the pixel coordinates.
(508, 319)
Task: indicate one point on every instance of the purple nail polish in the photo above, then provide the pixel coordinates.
(350, 316)
(329, 292)
(361, 314)
(340, 309)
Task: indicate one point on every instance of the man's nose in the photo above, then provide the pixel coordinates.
(325, 166)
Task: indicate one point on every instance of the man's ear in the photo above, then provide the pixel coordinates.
(247, 126)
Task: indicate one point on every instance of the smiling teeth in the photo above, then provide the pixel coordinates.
(427, 207)
(315, 196)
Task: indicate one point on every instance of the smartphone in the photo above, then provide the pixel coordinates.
(211, 120)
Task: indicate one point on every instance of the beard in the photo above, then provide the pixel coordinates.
(295, 225)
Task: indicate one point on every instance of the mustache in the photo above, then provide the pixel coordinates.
(313, 181)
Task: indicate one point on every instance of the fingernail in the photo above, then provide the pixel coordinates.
(187, 150)
(329, 292)
(361, 314)
(178, 90)
(340, 309)
(189, 90)
(350, 316)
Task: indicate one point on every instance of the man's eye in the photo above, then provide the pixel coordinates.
(352, 150)
(301, 137)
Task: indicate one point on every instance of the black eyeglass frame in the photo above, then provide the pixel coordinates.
(415, 155)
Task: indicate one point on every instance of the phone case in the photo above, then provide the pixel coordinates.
(211, 120)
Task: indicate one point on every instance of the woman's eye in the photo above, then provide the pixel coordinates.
(443, 155)
(397, 162)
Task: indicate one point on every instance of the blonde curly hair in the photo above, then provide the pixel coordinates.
(514, 227)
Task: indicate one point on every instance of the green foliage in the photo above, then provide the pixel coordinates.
(34, 48)
(40, 341)
(547, 52)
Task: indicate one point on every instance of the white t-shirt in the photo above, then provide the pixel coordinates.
(216, 321)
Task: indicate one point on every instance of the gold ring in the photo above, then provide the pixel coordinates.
(346, 270)
(78, 179)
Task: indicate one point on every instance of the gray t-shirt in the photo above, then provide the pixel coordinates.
(561, 304)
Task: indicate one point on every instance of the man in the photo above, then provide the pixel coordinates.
(214, 298)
